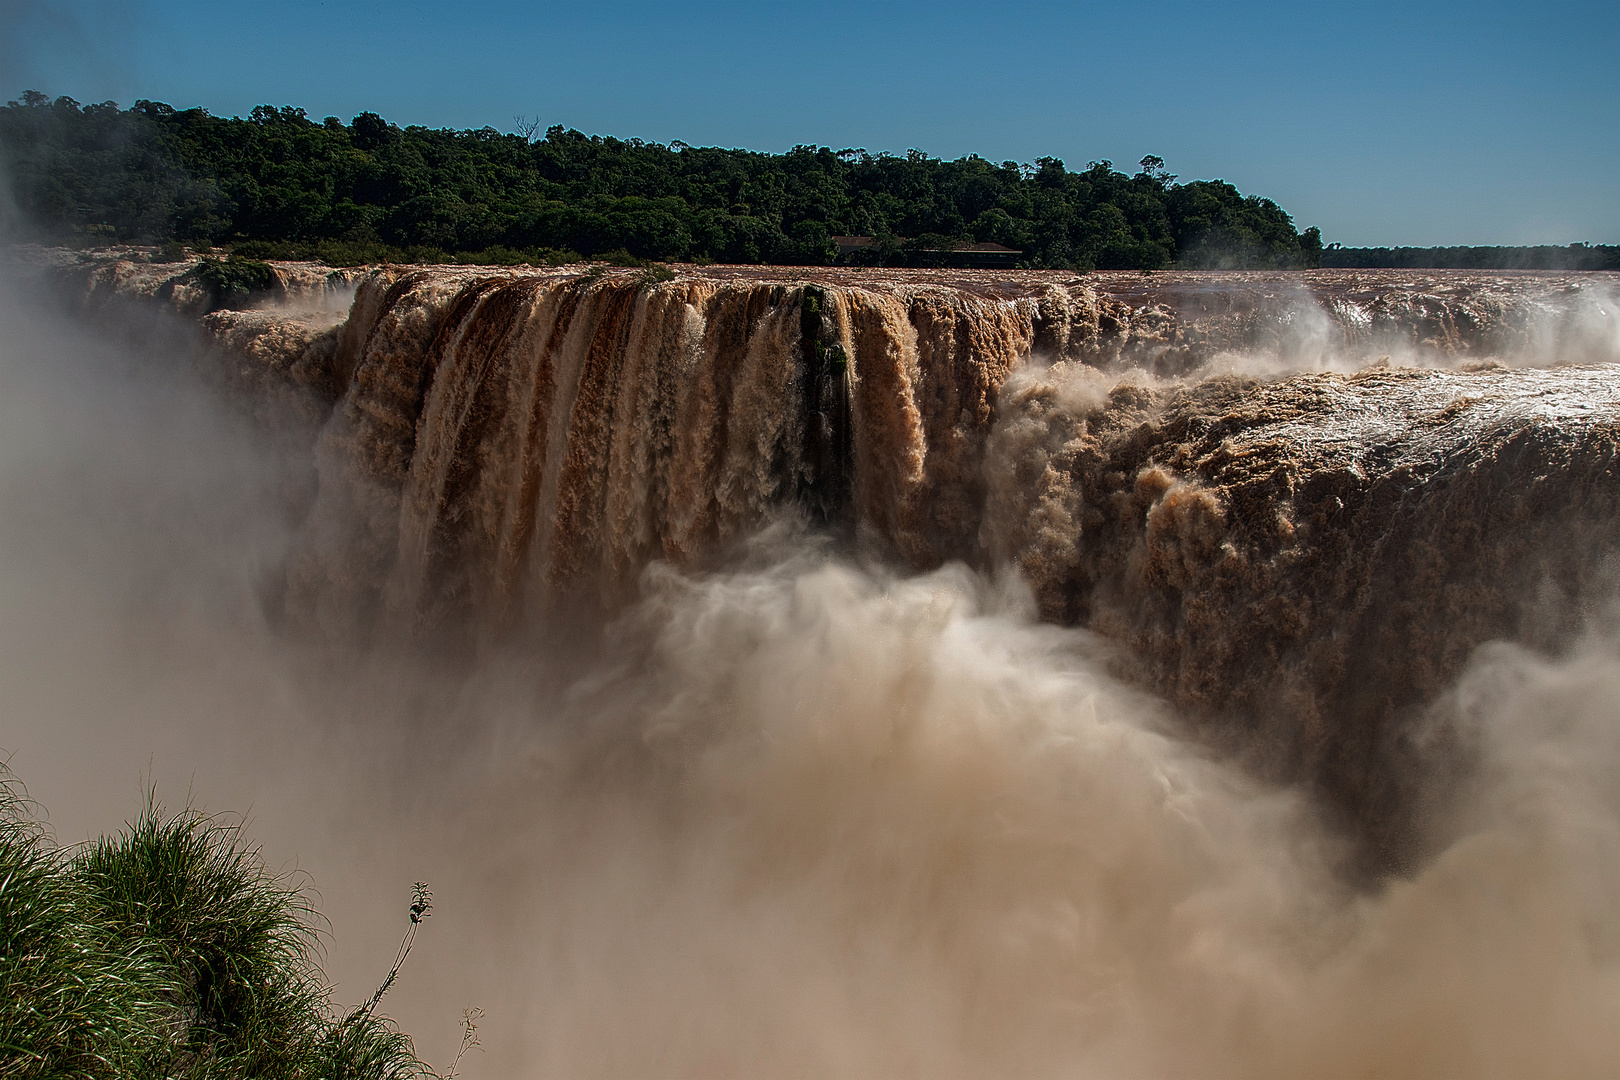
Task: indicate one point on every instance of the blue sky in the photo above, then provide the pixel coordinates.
(1412, 123)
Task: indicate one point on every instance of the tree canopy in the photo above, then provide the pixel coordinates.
(1537, 257)
(278, 182)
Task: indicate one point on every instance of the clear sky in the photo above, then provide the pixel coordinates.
(1407, 123)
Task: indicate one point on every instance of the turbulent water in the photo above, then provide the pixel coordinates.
(500, 438)
(884, 673)
(1300, 562)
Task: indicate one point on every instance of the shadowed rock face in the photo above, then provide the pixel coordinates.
(106, 275)
(1296, 542)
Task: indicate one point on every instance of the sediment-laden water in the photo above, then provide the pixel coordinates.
(883, 673)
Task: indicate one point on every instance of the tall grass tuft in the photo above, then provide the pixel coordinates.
(169, 951)
(71, 1001)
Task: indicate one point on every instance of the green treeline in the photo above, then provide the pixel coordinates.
(279, 184)
(1541, 257)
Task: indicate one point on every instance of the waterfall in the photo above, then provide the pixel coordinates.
(1300, 560)
(509, 438)
(872, 672)
(501, 439)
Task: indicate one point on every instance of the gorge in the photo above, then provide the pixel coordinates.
(1302, 560)
(1115, 669)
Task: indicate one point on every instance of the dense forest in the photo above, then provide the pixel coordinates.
(278, 184)
(1540, 257)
